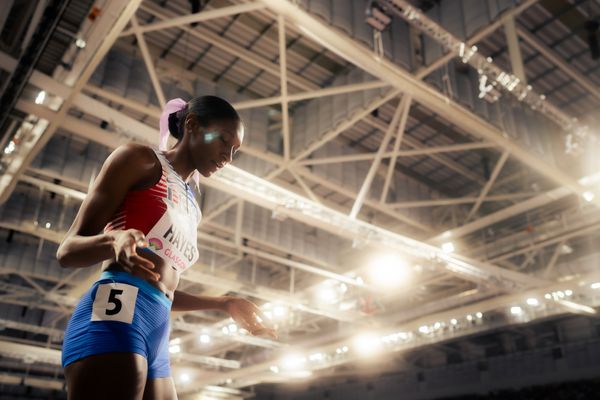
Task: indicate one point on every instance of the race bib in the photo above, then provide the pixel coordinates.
(114, 302)
(174, 238)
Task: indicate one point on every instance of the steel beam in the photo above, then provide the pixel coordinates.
(396, 148)
(201, 16)
(29, 149)
(555, 59)
(364, 57)
(514, 49)
(401, 113)
(488, 186)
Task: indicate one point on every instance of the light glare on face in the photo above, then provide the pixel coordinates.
(210, 137)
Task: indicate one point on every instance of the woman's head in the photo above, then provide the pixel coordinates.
(211, 128)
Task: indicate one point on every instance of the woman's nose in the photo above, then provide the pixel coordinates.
(228, 156)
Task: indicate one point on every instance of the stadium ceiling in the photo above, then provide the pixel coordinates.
(459, 140)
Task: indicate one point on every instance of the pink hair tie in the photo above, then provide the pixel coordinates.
(171, 107)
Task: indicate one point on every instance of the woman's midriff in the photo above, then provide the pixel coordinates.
(169, 277)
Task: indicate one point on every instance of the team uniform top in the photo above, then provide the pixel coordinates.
(167, 213)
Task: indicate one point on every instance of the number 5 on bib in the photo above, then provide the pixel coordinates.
(114, 302)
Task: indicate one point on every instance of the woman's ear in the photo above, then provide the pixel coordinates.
(191, 123)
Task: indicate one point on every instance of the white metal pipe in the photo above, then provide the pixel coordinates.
(148, 61)
(488, 186)
(399, 137)
(284, 87)
(364, 189)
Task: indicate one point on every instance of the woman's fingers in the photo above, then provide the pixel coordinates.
(134, 261)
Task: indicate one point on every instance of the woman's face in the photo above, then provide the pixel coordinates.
(212, 147)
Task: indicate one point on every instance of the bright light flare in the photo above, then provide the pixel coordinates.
(388, 270)
(204, 339)
(595, 285)
(279, 311)
(293, 361)
(516, 310)
(327, 294)
(367, 344)
(448, 247)
(40, 97)
(80, 43)
(533, 301)
(588, 196)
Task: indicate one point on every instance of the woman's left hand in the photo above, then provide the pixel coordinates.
(248, 316)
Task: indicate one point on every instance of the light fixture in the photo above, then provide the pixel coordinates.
(566, 249)
(453, 321)
(388, 270)
(175, 348)
(533, 301)
(516, 310)
(448, 247)
(40, 97)
(595, 285)
(479, 315)
(588, 196)
(225, 330)
(548, 296)
(327, 294)
(293, 361)
(469, 317)
(424, 329)
(367, 344)
(10, 147)
(279, 311)
(568, 292)
(204, 338)
(184, 377)
(233, 328)
(341, 350)
(274, 369)
(316, 357)
(48, 225)
(80, 43)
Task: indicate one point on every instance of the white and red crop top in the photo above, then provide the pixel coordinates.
(167, 213)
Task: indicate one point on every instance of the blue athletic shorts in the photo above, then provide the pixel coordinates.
(121, 313)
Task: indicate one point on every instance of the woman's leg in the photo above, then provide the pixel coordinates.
(160, 389)
(114, 376)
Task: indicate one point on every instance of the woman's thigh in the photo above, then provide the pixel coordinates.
(160, 389)
(113, 376)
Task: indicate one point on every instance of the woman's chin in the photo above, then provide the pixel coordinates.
(206, 173)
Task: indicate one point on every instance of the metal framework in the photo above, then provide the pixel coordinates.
(451, 287)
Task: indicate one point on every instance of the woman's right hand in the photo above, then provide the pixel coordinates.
(125, 246)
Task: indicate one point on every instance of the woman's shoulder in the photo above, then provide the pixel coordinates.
(134, 154)
(138, 160)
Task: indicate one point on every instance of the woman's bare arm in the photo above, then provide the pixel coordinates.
(245, 313)
(85, 244)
